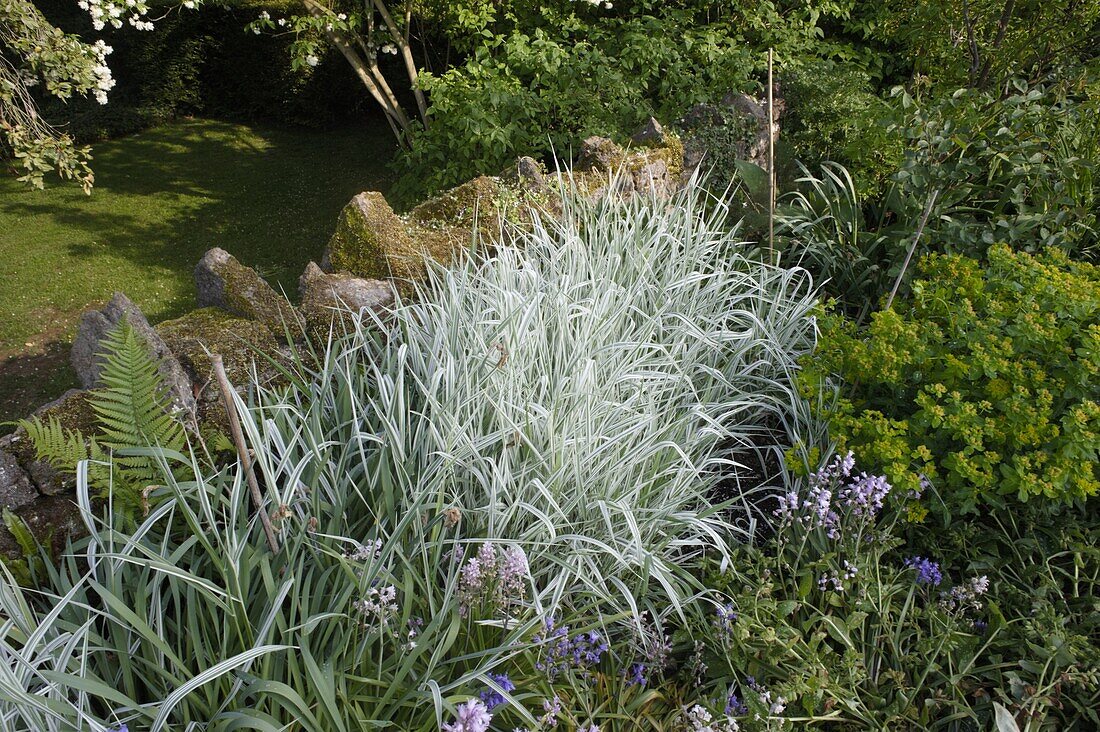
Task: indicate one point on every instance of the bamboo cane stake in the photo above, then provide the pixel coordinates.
(242, 450)
(771, 163)
(912, 247)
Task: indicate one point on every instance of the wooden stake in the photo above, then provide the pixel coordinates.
(242, 450)
(771, 163)
(912, 247)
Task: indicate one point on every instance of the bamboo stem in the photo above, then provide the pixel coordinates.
(771, 163)
(242, 450)
(913, 246)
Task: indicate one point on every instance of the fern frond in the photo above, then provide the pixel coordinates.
(133, 409)
(60, 447)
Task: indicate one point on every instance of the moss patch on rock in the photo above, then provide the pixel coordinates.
(240, 342)
(372, 241)
(201, 333)
(224, 282)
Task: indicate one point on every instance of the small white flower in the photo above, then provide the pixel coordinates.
(312, 60)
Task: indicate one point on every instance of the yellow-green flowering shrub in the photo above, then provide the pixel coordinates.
(985, 381)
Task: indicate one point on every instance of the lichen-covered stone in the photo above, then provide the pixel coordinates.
(223, 282)
(653, 178)
(372, 241)
(650, 170)
(651, 134)
(447, 222)
(600, 153)
(527, 174)
(195, 337)
(87, 348)
(325, 295)
(16, 488)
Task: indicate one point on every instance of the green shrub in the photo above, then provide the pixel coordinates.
(984, 381)
(541, 78)
(1019, 167)
(833, 114)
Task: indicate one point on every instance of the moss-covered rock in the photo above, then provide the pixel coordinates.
(195, 337)
(374, 242)
(600, 154)
(653, 168)
(327, 295)
(223, 282)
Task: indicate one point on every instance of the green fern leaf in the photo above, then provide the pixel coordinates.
(133, 409)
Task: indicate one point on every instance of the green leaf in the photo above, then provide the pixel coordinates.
(1005, 721)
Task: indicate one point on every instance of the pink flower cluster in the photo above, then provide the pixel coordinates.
(492, 580)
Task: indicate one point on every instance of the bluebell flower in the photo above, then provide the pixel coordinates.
(735, 707)
(472, 716)
(563, 652)
(494, 698)
(636, 675)
(928, 572)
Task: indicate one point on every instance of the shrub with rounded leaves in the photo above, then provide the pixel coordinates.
(985, 382)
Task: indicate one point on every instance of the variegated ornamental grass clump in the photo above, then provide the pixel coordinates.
(528, 446)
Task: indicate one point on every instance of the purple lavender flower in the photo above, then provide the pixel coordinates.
(928, 572)
(636, 675)
(563, 652)
(735, 707)
(494, 698)
(472, 716)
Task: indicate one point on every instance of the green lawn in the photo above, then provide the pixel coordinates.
(269, 196)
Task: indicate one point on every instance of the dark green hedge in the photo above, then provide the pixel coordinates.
(202, 63)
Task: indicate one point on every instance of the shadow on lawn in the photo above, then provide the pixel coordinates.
(269, 196)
